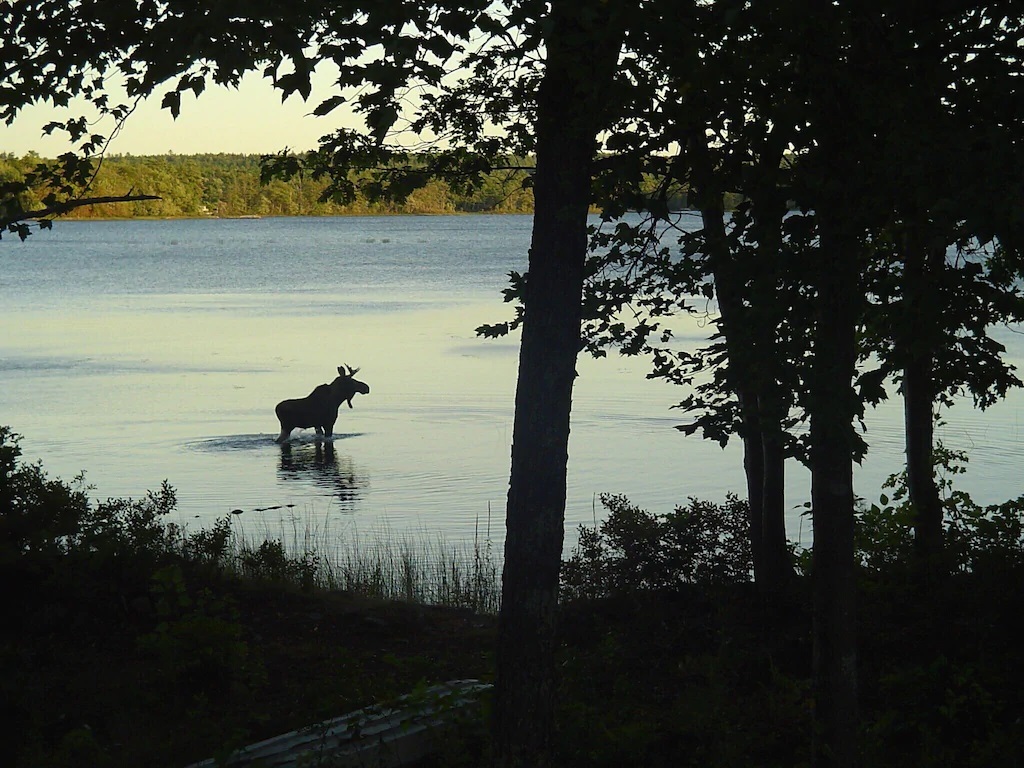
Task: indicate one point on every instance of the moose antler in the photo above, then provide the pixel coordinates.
(351, 371)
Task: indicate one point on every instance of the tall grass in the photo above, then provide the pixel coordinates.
(419, 568)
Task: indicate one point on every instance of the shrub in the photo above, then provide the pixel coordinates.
(633, 549)
(40, 518)
(209, 546)
(75, 559)
(197, 641)
(271, 562)
(977, 539)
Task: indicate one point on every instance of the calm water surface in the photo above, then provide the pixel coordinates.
(150, 350)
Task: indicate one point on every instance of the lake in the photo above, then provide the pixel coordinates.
(140, 351)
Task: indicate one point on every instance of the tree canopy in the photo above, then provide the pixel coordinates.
(876, 152)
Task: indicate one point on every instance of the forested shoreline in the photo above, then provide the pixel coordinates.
(228, 185)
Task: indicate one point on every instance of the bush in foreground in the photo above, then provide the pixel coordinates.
(131, 640)
(634, 550)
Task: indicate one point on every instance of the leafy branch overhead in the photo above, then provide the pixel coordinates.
(54, 53)
(16, 222)
(57, 187)
(854, 174)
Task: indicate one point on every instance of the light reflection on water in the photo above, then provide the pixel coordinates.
(140, 351)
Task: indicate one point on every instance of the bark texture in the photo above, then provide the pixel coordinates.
(769, 297)
(730, 305)
(750, 343)
(832, 499)
(581, 55)
(921, 302)
(834, 406)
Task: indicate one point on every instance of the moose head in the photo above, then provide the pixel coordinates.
(345, 387)
(319, 409)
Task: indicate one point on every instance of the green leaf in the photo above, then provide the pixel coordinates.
(380, 120)
(439, 47)
(493, 331)
(172, 101)
(327, 105)
(489, 25)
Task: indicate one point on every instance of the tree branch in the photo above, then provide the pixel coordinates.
(58, 209)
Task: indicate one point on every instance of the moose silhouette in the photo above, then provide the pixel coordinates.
(319, 409)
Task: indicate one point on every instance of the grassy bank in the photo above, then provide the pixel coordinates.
(424, 569)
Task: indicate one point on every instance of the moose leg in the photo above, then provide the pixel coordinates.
(319, 431)
(283, 411)
(329, 428)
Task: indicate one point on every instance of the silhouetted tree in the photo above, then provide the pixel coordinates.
(582, 48)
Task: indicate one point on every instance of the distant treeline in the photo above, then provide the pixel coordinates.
(229, 185)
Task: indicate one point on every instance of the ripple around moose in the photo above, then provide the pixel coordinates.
(259, 441)
(319, 409)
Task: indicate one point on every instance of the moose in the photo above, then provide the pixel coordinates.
(319, 408)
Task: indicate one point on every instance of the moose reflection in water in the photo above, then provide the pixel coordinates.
(318, 462)
(319, 409)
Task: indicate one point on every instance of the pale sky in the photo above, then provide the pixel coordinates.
(249, 120)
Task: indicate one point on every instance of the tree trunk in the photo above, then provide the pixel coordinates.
(842, 203)
(581, 55)
(754, 471)
(753, 382)
(769, 211)
(730, 304)
(919, 400)
(832, 409)
(778, 566)
(918, 403)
